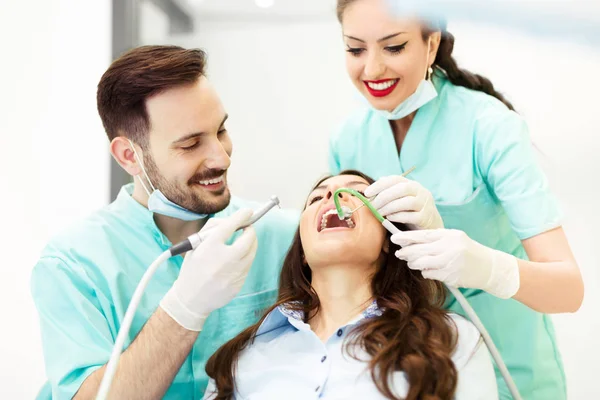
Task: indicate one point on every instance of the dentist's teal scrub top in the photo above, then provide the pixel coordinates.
(476, 157)
(86, 277)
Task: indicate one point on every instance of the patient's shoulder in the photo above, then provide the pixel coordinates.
(468, 339)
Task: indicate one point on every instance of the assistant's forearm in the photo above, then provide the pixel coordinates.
(550, 287)
(149, 365)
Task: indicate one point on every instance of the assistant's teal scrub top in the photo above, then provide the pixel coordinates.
(86, 277)
(476, 158)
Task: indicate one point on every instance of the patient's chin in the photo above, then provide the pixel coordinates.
(339, 254)
(342, 246)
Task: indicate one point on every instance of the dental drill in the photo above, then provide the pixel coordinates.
(188, 244)
(344, 213)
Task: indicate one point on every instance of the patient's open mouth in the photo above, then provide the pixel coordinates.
(330, 220)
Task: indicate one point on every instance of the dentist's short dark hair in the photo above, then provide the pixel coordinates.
(136, 76)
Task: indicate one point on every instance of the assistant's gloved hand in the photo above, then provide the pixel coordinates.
(213, 273)
(406, 201)
(452, 257)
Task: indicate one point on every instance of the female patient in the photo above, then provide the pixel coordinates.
(352, 321)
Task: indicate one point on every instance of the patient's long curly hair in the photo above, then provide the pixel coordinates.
(414, 333)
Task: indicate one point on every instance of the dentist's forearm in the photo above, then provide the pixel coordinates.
(149, 365)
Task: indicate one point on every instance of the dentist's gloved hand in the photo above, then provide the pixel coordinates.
(403, 200)
(213, 273)
(450, 256)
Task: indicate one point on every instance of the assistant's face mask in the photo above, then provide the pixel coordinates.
(158, 202)
(424, 94)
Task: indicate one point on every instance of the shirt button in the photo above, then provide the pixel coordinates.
(339, 332)
(324, 358)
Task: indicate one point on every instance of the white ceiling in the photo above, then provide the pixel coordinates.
(571, 8)
(577, 20)
(288, 8)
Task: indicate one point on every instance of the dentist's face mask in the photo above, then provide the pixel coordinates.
(159, 203)
(424, 94)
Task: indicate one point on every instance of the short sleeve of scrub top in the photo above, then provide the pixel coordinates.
(505, 156)
(71, 324)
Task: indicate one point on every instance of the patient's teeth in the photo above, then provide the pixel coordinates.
(347, 211)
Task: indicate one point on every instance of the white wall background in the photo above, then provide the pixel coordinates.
(284, 85)
(53, 155)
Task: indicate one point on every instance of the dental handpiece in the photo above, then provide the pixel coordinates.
(194, 240)
(188, 244)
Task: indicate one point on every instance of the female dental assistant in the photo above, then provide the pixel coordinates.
(475, 175)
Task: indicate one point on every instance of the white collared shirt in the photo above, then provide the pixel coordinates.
(288, 361)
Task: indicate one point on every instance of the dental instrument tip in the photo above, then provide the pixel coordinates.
(275, 200)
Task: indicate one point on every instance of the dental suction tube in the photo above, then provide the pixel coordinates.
(188, 244)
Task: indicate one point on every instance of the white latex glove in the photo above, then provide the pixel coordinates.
(406, 201)
(452, 257)
(213, 273)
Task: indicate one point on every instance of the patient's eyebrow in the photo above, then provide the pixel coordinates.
(355, 183)
(351, 183)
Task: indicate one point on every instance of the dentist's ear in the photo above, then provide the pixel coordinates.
(122, 152)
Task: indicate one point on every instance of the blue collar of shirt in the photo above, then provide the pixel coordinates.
(283, 315)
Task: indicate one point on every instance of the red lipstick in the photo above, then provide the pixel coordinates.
(384, 92)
